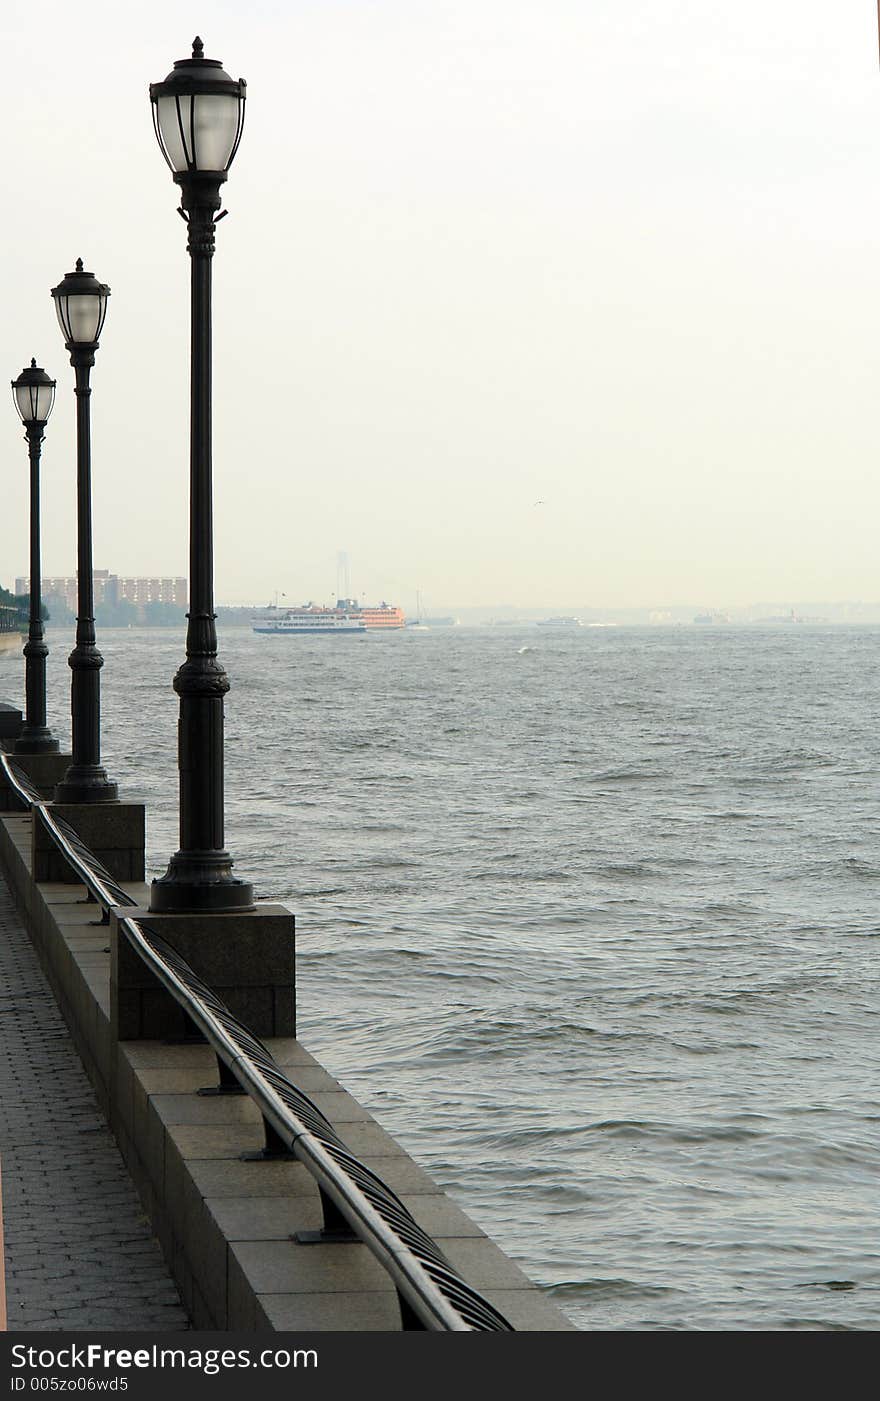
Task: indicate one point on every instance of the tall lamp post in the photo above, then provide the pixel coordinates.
(81, 305)
(198, 113)
(34, 394)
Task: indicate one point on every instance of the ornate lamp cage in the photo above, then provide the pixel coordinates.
(81, 305)
(33, 394)
(198, 115)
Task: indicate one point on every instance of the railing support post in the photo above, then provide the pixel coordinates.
(335, 1230)
(275, 1148)
(228, 1084)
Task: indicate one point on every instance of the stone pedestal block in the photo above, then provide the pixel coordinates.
(10, 723)
(247, 959)
(44, 770)
(114, 832)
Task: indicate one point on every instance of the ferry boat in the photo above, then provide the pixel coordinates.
(348, 618)
(384, 617)
(560, 623)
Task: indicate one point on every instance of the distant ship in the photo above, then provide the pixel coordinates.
(791, 617)
(560, 623)
(712, 618)
(418, 621)
(421, 620)
(348, 618)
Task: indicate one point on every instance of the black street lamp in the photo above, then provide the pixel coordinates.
(34, 394)
(198, 112)
(81, 304)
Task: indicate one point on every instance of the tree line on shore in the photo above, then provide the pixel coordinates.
(123, 614)
(15, 609)
(15, 613)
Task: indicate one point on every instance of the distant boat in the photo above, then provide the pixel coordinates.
(418, 622)
(560, 623)
(791, 617)
(348, 618)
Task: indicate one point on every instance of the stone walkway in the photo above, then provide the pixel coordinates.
(79, 1251)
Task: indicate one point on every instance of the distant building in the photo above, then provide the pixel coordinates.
(154, 590)
(112, 589)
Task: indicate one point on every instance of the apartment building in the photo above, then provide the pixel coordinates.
(112, 589)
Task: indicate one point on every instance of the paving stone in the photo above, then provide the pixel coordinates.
(79, 1250)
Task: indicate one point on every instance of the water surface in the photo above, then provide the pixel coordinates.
(588, 918)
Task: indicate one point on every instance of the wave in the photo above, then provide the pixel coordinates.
(608, 1289)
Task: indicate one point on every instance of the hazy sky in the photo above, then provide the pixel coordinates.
(619, 259)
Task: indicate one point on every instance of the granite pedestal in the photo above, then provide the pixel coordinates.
(43, 770)
(114, 832)
(11, 722)
(248, 960)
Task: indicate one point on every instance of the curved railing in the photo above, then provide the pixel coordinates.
(101, 886)
(19, 783)
(357, 1204)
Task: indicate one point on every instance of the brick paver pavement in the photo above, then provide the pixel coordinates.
(79, 1250)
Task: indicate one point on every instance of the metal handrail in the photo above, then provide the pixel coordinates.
(357, 1203)
(26, 792)
(425, 1279)
(101, 886)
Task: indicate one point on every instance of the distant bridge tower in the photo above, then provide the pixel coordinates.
(343, 576)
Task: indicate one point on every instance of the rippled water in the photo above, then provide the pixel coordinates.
(589, 921)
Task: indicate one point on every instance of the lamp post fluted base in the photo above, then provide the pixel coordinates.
(86, 783)
(35, 736)
(86, 780)
(201, 882)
